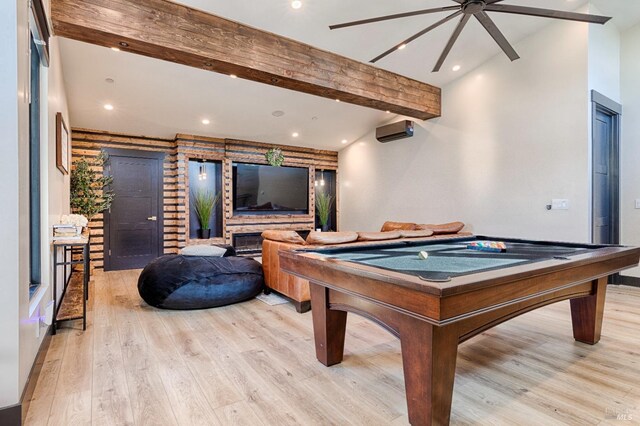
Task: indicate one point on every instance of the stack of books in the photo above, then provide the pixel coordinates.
(65, 232)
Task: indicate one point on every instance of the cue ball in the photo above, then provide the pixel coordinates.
(423, 255)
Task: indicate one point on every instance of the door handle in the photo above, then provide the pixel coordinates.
(152, 218)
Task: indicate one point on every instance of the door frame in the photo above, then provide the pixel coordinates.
(601, 103)
(155, 155)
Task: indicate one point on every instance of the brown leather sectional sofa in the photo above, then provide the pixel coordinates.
(297, 289)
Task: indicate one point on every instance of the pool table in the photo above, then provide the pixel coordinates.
(436, 303)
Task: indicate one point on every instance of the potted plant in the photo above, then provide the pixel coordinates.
(324, 202)
(89, 188)
(204, 202)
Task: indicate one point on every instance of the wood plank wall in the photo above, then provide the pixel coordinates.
(179, 151)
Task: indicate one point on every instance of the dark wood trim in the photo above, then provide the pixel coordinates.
(11, 415)
(627, 280)
(173, 32)
(118, 152)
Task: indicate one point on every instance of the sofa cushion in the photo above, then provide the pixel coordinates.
(445, 228)
(397, 226)
(324, 238)
(203, 250)
(418, 233)
(378, 236)
(283, 236)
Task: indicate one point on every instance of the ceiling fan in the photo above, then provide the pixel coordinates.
(478, 9)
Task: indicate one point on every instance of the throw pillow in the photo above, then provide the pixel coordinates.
(418, 233)
(445, 228)
(202, 250)
(378, 236)
(325, 238)
(397, 226)
(283, 236)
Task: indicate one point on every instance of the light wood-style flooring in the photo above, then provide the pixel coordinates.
(254, 364)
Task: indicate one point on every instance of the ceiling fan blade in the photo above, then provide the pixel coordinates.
(497, 35)
(452, 41)
(547, 13)
(396, 16)
(415, 36)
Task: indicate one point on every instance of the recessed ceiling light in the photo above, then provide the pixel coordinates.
(233, 76)
(277, 113)
(456, 68)
(337, 100)
(402, 46)
(296, 4)
(388, 112)
(206, 121)
(108, 107)
(295, 134)
(109, 80)
(115, 49)
(344, 141)
(124, 44)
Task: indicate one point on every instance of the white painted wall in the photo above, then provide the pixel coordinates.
(11, 107)
(630, 146)
(512, 136)
(604, 58)
(19, 328)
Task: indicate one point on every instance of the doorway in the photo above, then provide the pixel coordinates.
(133, 226)
(606, 170)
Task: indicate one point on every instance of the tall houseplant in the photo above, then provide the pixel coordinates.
(204, 202)
(324, 202)
(90, 193)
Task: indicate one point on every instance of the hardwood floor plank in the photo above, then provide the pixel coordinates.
(110, 393)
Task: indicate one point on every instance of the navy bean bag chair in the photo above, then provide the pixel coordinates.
(195, 282)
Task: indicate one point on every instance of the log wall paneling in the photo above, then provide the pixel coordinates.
(89, 143)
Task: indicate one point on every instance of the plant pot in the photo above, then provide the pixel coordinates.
(325, 228)
(204, 234)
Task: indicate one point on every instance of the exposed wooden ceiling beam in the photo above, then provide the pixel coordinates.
(165, 30)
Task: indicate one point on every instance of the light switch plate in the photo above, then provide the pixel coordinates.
(559, 204)
(638, 203)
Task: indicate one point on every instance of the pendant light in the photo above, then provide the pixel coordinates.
(202, 174)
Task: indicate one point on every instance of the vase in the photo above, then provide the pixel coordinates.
(325, 227)
(204, 234)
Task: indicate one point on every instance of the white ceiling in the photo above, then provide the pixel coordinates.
(157, 98)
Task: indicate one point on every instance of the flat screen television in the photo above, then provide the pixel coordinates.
(266, 190)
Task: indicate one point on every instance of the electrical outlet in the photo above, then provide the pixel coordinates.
(559, 204)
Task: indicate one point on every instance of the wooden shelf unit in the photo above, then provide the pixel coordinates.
(75, 293)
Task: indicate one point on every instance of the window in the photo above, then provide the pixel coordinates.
(35, 244)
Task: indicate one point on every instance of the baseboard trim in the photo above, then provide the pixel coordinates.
(626, 280)
(11, 416)
(34, 374)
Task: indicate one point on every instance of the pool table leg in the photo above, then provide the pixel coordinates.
(586, 314)
(429, 363)
(328, 327)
